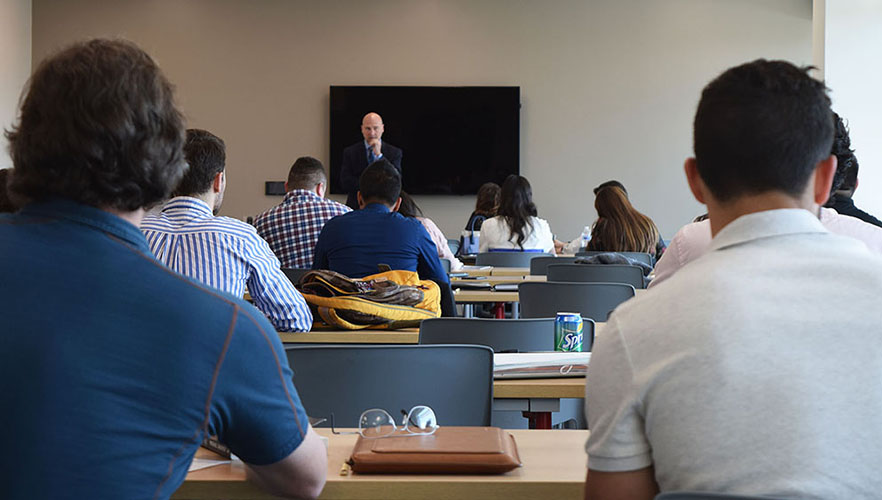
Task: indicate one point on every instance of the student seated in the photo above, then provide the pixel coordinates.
(755, 369)
(292, 227)
(409, 208)
(620, 227)
(115, 367)
(221, 252)
(693, 240)
(517, 226)
(486, 206)
(354, 244)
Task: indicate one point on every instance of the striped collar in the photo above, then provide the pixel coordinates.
(186, 204)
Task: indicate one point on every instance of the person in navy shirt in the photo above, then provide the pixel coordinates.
(113, 368)
(355, 243)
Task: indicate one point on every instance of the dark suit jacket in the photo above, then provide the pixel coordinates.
(354, 163)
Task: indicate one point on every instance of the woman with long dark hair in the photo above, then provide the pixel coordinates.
(620, 227)
(516, 225)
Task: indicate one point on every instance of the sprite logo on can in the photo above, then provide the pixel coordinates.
(568, 332)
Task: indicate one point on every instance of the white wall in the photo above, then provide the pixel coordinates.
(608, 87)
(852, 69)
(15, 61)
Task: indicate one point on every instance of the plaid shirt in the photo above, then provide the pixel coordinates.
(292, 227)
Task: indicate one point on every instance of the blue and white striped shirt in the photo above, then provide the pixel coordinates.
(226, 254)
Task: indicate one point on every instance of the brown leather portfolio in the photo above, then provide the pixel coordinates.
(450, 450)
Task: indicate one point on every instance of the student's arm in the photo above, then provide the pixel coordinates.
(428, 263)
(272, 291)
(630, 485)
(256, 411)
(301, 474)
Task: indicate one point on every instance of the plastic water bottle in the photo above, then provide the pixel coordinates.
(586, 235)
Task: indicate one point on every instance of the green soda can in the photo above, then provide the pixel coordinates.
(568, 332)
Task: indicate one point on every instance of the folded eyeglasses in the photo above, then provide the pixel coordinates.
(378, 423)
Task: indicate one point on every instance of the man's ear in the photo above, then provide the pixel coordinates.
(320, 189)
(360, 200)
(286, 186)
(397, 204)
(696, 185)
(218, 184)
(823, 179)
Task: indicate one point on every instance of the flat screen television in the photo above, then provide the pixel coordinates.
(453, 138)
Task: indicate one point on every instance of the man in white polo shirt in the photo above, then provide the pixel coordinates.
(754, 370)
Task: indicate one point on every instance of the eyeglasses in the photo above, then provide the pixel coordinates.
(378, 423)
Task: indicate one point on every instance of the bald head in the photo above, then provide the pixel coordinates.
(372, 128)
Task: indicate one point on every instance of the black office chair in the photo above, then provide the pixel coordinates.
(501, 335)
(456, 381)
(597, 273)
(646, 258)
(508, 259)
(539, 265)
(294, 274)
(591, 300)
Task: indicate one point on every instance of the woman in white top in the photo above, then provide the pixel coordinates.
(516, 227)
(409, 208)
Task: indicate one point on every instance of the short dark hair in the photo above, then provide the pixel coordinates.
(380, 181)
(206, 154)
(98, 126)
(761, 126)
(306, 173)
(612, 183)
(845, 177)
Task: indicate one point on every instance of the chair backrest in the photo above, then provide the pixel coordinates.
(508, 259)
(510, 335)
(445, 264)
(645, 258)
(453, 245)
(597, 273)
(591, 300)
(454, 380)
(294, 274)
(539, 265)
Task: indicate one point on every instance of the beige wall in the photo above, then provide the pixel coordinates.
(15, 61)
(608, 86)
(852, 43)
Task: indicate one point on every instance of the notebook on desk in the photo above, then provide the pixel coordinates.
(540, 364)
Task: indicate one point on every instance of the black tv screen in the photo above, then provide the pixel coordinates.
(453, 138)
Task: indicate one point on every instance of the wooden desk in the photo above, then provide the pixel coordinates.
(554, 467)
(536, 398)
(465, 296)
(510, 271)
(540, 388)
(404, 336)
(498, 280)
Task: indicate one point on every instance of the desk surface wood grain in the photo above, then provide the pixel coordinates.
(554, 467)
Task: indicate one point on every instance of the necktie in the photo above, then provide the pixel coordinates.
(371, 156)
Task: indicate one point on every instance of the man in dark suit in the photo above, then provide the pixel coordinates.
(357, 157)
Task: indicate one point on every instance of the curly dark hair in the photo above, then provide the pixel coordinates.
(761, 126)
(488, 199)
(516, 206)
(846, 162)
(98, 126)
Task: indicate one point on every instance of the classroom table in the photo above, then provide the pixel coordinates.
(499, 280)
(536, 398)
(403, 336)
(554, 466)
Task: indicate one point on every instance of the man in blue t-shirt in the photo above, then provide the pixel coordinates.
(112, 367)
(355, 243)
